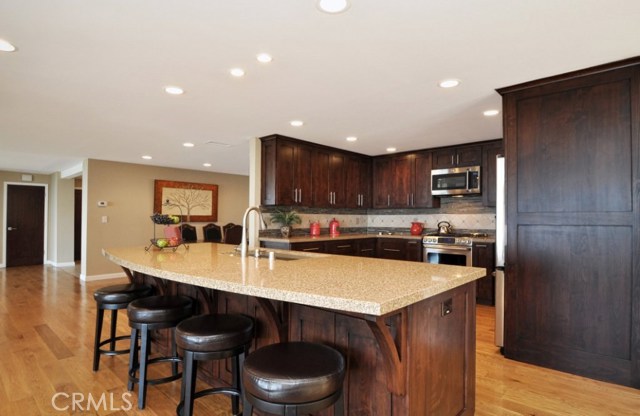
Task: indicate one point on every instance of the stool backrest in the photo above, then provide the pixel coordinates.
(212, 233)
(188, 233)
(232, 233)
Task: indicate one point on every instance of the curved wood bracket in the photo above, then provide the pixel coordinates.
(275, 324)
(393, 351)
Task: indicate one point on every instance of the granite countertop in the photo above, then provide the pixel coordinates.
(351, 284)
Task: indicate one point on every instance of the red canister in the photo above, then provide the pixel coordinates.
(334, 228)
(314, 229)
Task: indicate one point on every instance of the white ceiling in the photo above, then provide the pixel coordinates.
(87, 79)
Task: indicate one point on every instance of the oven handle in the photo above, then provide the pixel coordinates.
(446, 249)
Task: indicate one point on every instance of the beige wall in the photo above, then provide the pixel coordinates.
(61, 221)
(128, 190)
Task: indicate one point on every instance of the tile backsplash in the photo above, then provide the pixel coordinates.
(466, 214)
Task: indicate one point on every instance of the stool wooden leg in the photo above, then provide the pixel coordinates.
(142, 376)
(236, 365)
(133, 356)
(114, 323)
(96, 342)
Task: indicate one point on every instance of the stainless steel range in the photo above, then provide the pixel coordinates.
(455, 249)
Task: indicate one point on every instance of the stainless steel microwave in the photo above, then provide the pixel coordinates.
(455, 181)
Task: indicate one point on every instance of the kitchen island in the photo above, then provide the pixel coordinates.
(406, 329)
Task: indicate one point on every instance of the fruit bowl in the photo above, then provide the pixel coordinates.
(164, 219)
(165, 243)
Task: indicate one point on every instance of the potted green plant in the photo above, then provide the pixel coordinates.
(285, 219)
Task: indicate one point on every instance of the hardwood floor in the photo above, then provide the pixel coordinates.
(46, 340)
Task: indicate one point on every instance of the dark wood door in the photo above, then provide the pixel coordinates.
(77, 225)
(422, 197)
(382, 182)
(320, 165)
(488, 173)
(484, 256)
(25, 225)
(403, 173)
(573, 256)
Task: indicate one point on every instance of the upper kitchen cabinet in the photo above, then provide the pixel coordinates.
(285, 171)
(328, 172)
(488, 173)
(403, 181)
(358, 182)
(452, 157)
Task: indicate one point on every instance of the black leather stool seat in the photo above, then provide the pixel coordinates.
(206, 333)
(121, 294)
(212, 337)
(293, 372)
(167, 310)
(113, 298)
(146, 314)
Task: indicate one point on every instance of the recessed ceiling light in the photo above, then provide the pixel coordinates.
(333, 6)
(391, 149)
(352, 138)
(237, 72)
(188, 144)
(296, 123)
(449, 83)
(6, 46)
(206, 165)
(490, 113)
(147, 157)
(264, 58)
(173, 90)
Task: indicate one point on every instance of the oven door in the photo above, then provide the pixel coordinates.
(448, 254)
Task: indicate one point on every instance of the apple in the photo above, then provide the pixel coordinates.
(175, 219)
(162, 242)
(174, 241)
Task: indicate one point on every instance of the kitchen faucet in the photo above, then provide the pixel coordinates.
(243, 243)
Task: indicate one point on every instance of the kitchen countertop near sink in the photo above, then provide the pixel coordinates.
(352, 284)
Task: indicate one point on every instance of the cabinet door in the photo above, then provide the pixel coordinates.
(314, 246)
(469, 155)
(357, 182)
(344, 247)
(320, 176)
(402, 181)
(337, 166)
(390, 248)
(444, 158)
(489, 153)
(484, 256)
(382, 180)
(413, 250)
(367, 247)
(422, 197)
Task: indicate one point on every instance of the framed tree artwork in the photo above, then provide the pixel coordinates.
(196, 202)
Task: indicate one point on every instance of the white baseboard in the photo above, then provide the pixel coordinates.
(63, 264)
(94, 277)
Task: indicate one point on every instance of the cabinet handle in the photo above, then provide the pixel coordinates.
(457, 159)
(300, 195)
(344, 246)
(311, 249)
(452, 160)
(388, 200)
(481, 245)
(366, 249)
(295, 195)
(412, 202)
(391, 249)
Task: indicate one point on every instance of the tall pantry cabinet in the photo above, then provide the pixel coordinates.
(573, 222)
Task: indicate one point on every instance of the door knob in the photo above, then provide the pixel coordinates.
(11, 228)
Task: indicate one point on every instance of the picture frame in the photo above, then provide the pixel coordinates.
(193, 202)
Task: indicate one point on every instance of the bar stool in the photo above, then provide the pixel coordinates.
(212, 337)
(113, 298)
(146, 314)
(293, 378)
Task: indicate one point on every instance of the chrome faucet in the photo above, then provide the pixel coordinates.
(263, 225)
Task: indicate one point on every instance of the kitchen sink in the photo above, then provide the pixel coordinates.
(264, 254)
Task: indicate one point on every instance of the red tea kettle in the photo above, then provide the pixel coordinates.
(334, 228)
(314, 229)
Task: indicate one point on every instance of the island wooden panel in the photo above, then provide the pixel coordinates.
(417, 361)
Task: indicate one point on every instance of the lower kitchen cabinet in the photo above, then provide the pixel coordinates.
(367, 247)
(313, 246)
(344, 247)
(399, 249)
(484, 256)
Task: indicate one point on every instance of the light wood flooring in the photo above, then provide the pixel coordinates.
(46, 339)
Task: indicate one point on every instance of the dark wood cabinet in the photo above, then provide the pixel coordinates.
(328, 170)
(358, 182)
(312, 246)
(488, 171)
(399, 249)
(367, 247)
(451, 157)
(483, 255)
(285, 172)
(343, 247)
(573, 206)
(403, 181)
